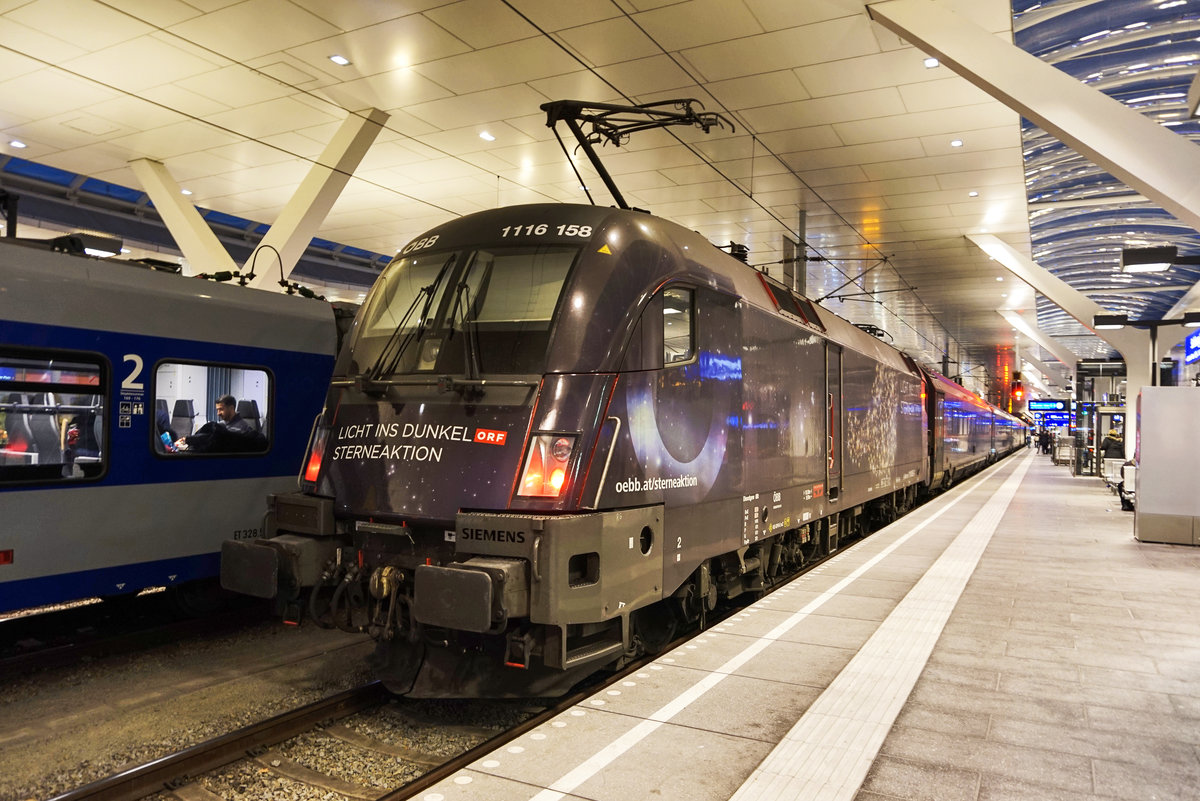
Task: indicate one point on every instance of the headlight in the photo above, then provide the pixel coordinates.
(546, 462)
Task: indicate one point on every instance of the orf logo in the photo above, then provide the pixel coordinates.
(486, 436)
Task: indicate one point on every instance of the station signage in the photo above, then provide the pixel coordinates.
(1046, 405)
(1053, 419)
(1191, 347)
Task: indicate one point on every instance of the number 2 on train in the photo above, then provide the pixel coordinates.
(131, 384)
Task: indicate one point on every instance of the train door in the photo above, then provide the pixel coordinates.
(935, 405)
(833, 429)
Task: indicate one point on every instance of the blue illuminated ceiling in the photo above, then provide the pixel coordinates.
(1145, 54)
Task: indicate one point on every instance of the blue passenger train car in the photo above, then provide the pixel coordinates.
(98, 360)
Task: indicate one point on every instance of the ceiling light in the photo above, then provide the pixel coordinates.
(185, 191)
(17, 143)
(999, 277)
(1109, 322)
(931, 62)
(487, 137)
(956, 143)
(972, 194)
(341, 61)
(1147, 260)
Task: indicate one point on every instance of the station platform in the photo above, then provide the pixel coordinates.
(1007, 640)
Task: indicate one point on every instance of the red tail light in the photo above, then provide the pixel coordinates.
(316, 451)
(545, 472)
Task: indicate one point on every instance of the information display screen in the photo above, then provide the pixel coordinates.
(1045, 405)
(1052, 419)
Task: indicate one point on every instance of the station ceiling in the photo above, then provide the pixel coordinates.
(889, 161)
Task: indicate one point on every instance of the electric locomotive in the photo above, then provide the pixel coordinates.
(559, 432)
(103, 366)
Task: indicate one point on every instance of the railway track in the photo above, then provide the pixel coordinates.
(67, 637)
(360, 744)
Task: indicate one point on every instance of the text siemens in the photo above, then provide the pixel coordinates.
(491, 535)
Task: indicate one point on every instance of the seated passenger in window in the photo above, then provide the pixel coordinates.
(229, 433)
(164, 436)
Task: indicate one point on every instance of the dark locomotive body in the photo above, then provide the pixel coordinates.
(559, 432)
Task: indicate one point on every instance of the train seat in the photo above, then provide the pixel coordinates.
(248, 409)
(183, 417)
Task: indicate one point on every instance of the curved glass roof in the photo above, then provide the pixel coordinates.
(1143, 53)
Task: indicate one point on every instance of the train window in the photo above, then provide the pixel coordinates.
(189, 415)
(408, 295)
(505, 302)
(52, 416)
(679, 342)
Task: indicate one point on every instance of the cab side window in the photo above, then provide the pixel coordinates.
(679, 338)
(52, 416)
(189, 416)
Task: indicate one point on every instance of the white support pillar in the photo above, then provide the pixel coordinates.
(1032, 376)
(1134, 345)
(1029, 328)
(1036, 369)
(1160, 164)
(296, 225)
(199, 245)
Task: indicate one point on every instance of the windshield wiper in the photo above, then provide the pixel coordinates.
(471, 364)
(392, 352)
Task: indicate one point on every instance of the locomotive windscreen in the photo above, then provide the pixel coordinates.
(474, 312)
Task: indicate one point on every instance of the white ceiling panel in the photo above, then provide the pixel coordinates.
(776, 14)
(479, 23)
(610, 41)
(824, 41)
(485, 107)
(253, 28)
(645, 76)
(272, 117)
(110, 66)
(759, 90)
(871, 71)
(841, 108)
(394, 45)
(90, 27)
(502, 65)
(349, 16)
(926, 123)
(698, 23)
(946, 93)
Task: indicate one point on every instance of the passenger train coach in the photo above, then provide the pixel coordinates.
(100, 358)
(560, 432)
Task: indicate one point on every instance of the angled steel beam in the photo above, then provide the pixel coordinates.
(196, 241)
(1029, 328)
(296, 225)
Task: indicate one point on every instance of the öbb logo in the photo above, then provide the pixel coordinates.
(486, 436)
